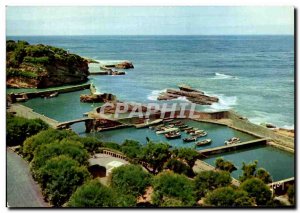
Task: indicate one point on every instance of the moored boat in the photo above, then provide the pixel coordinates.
(166, 130)
(202, 134)
(197, 132)
(203, 142)
(191, 139)
(232, 140)
(173, 135)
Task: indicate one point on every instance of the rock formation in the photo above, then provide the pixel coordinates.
(96, 98)
(42, 66)
(191, 94)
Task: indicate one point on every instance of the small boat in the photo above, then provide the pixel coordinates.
(156, 127)
(176, 123)
(199, 135)
(166, 130)
(191, 139)
(191, 130)
(173, 135)
(182, 126)
(187, 128)
(168, 119)
(232, 140)
(197, 132)
(204, 142)
(54, 94)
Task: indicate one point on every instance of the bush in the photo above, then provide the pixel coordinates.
(67, 147)
(225, 165)
(90, 144)
(18, 129)
(187, 154)
(43, 137)
(60, 177)
(291, 194)
(250, 171)
(209, 180)
(130, 179)
(179, 167)
(10, 72)
(131, 148)
(37, 60)
(112, 145)
(257, 189)
(174, 186)
(228, 197)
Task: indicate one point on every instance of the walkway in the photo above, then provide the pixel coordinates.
(22, 191)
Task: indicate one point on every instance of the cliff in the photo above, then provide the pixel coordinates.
(42, 66)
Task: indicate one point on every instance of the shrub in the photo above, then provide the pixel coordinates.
(18, 129)
(179, 167)
(225, 165)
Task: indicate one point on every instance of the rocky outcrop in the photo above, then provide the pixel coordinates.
(98, 98)
(42, 66)
(124, 65)
(191, 94)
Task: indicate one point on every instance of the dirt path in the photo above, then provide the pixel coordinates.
(22, 191)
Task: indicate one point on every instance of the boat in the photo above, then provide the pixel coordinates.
(173, 135)
(203, 142)
(142, 125)
(232, 140)
(189, 139)
(187, 128)
(202, 134)
(156, 127)
(197, 132)
(191, 130)
(176, 123)
(182, 126)
(168, 119)
(166, 130)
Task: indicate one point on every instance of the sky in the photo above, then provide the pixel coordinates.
(149, 20)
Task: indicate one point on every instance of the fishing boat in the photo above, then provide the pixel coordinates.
(166, 130)
(199, 135)
(191, 130)
(173, 135)
(203, 142)
(187, 128)
(156, 127)
(232, 140)
(191, 139)
(197, 132)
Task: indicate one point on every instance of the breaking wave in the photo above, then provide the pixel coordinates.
(154, 94)
(223, 76)
(225, 102)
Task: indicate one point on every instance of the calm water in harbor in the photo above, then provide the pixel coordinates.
(217, 133)
(279, 163)
(251, 74)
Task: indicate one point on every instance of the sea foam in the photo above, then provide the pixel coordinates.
(223, 76)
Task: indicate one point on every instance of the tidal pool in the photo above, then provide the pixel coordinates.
(218, 134)
(279, 163)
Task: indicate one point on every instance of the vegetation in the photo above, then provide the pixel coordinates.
(130, 180)
(209, 180)
(173, 188)
(258, 190)
(250, 171)
(94, 194)
(228, 197)
(179, 167)
(291, 193)
(188, 155)
(18, 129)
(225, 165)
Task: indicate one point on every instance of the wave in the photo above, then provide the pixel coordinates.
(273, 118)
(224, 76)
(154, 94)
(225, 102)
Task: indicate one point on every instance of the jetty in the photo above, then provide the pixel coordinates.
(67, 124)
(233, 147)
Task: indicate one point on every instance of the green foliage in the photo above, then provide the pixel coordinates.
(130, 179)
(94, 194)
(187, 154)
(291, 193)
(11, 72)
(250, 171)
(10, 45)
(37, 60)
(90, 144)
(60, 177)
(257, 189)
(18, 129)
(228, 197)
(131, 148)
(225, 165)
(155, 155)
(112, 145)
(43, 137)
(206, 181)
(66, 147)
(179, 167)
(170, 185)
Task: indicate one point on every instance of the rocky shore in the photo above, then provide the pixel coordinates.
(193, 95)
(97, 98)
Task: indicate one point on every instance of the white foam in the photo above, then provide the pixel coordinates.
(225, 102)
(288, 126)
(223, 76)
(154, 94)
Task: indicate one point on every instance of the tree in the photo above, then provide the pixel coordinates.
(228, 197)
(155, 155)
(250, 171)
(179, 167)
(188, 155)
(225, 165)
(18, 129)
(206, 181)
(130, 179)
(94, 194)
(131, 148)
(90, 144)
(60, 177)
(257, 189)
(174, 186)
(263, 175)
(73, 149)
(43, 137)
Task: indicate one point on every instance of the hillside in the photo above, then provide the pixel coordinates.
(42, 66)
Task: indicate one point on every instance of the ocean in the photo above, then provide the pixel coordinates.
(254, 75)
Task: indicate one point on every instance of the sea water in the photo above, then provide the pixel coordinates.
(253, 75)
